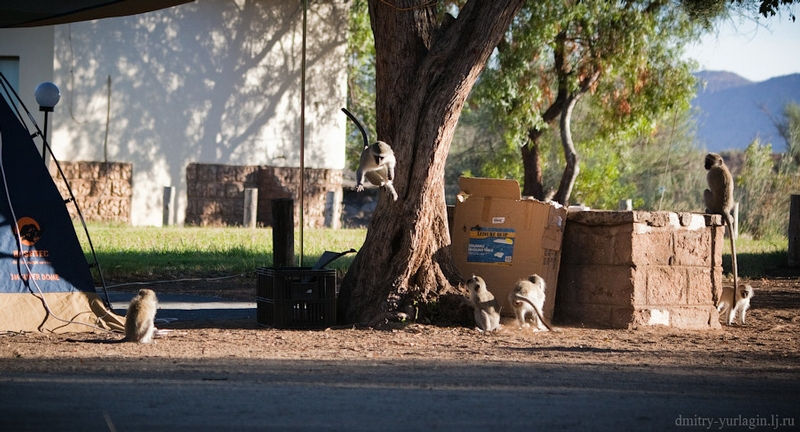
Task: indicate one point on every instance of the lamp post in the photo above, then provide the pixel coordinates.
(47, 96)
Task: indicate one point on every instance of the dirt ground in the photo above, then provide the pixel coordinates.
(771, 337)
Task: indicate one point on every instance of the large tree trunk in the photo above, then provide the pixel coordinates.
(424, 73)
(532, 169)
(531, 158)
(570, 155)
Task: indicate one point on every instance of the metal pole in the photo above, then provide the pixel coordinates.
(303, 127)
(283, 232)
(44, 142)
(794, 231)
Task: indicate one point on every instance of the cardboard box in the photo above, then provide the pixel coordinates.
(503, 238)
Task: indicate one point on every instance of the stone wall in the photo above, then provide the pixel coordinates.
(630, 269)
(215, 194)
(103, 190)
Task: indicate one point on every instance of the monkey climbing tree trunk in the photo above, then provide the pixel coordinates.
(424, 72)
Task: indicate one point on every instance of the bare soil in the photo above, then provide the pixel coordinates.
(771, 337)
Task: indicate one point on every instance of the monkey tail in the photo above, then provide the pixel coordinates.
(359, 125)
(535, 309)
(734, 263)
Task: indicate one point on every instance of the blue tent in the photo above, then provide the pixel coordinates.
(46, 283)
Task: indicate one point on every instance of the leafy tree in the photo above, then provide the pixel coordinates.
(753, 190)
(360, 79)
(666, 167)
(710, 10)
(475, 148)
(556, 52)
(790, 132)
(425, 64)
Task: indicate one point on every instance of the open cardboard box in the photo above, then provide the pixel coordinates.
(502, 238)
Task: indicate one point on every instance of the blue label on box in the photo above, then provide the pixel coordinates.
(491, 245)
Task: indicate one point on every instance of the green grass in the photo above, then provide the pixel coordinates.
(128, 253)
(757, 258)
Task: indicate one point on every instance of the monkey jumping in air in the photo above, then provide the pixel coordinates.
(376, 164)
(719, 200)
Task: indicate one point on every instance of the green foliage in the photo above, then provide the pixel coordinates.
(360, 80)
(601, 183)
(710, 11)
(666, 166)
(473, 150)
(635, 49)
(790, 131)
(764, 193)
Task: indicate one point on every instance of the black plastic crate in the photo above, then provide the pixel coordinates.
(296, 297)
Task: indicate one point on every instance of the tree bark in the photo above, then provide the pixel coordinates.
(532, 184)
(424, 73)
(571, 169)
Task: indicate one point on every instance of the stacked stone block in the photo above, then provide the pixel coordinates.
(215, 193)
(103, 190)
(631, 269)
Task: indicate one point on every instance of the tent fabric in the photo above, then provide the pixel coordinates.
(51, 12)
(73, 312)
(42, 265)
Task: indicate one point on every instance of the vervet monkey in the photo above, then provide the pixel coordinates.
(377, 162)
(486, 308)
(527, 297)
(139, 321)
(719, 200)
(377, 165)
(735, 301)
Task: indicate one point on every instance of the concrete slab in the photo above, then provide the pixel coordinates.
(185, 307)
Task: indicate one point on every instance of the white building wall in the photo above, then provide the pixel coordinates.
(214, 81)
(34, 48)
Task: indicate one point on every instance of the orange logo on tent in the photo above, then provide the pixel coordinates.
(28, 230)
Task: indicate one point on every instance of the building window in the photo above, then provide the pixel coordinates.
(9, 67)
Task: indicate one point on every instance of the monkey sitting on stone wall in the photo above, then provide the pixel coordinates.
(719, 200)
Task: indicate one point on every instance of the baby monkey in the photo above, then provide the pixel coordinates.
(377, 165)
(527, 298)
(139, 321)
(733, 302)
(486, 308)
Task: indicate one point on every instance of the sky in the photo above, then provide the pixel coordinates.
(756, 51)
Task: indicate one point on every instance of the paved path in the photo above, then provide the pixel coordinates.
(237, 395)
(230, 394)
(184, 307)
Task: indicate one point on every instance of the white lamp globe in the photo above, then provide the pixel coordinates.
(47, 95)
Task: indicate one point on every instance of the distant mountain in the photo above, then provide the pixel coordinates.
(733, 111)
